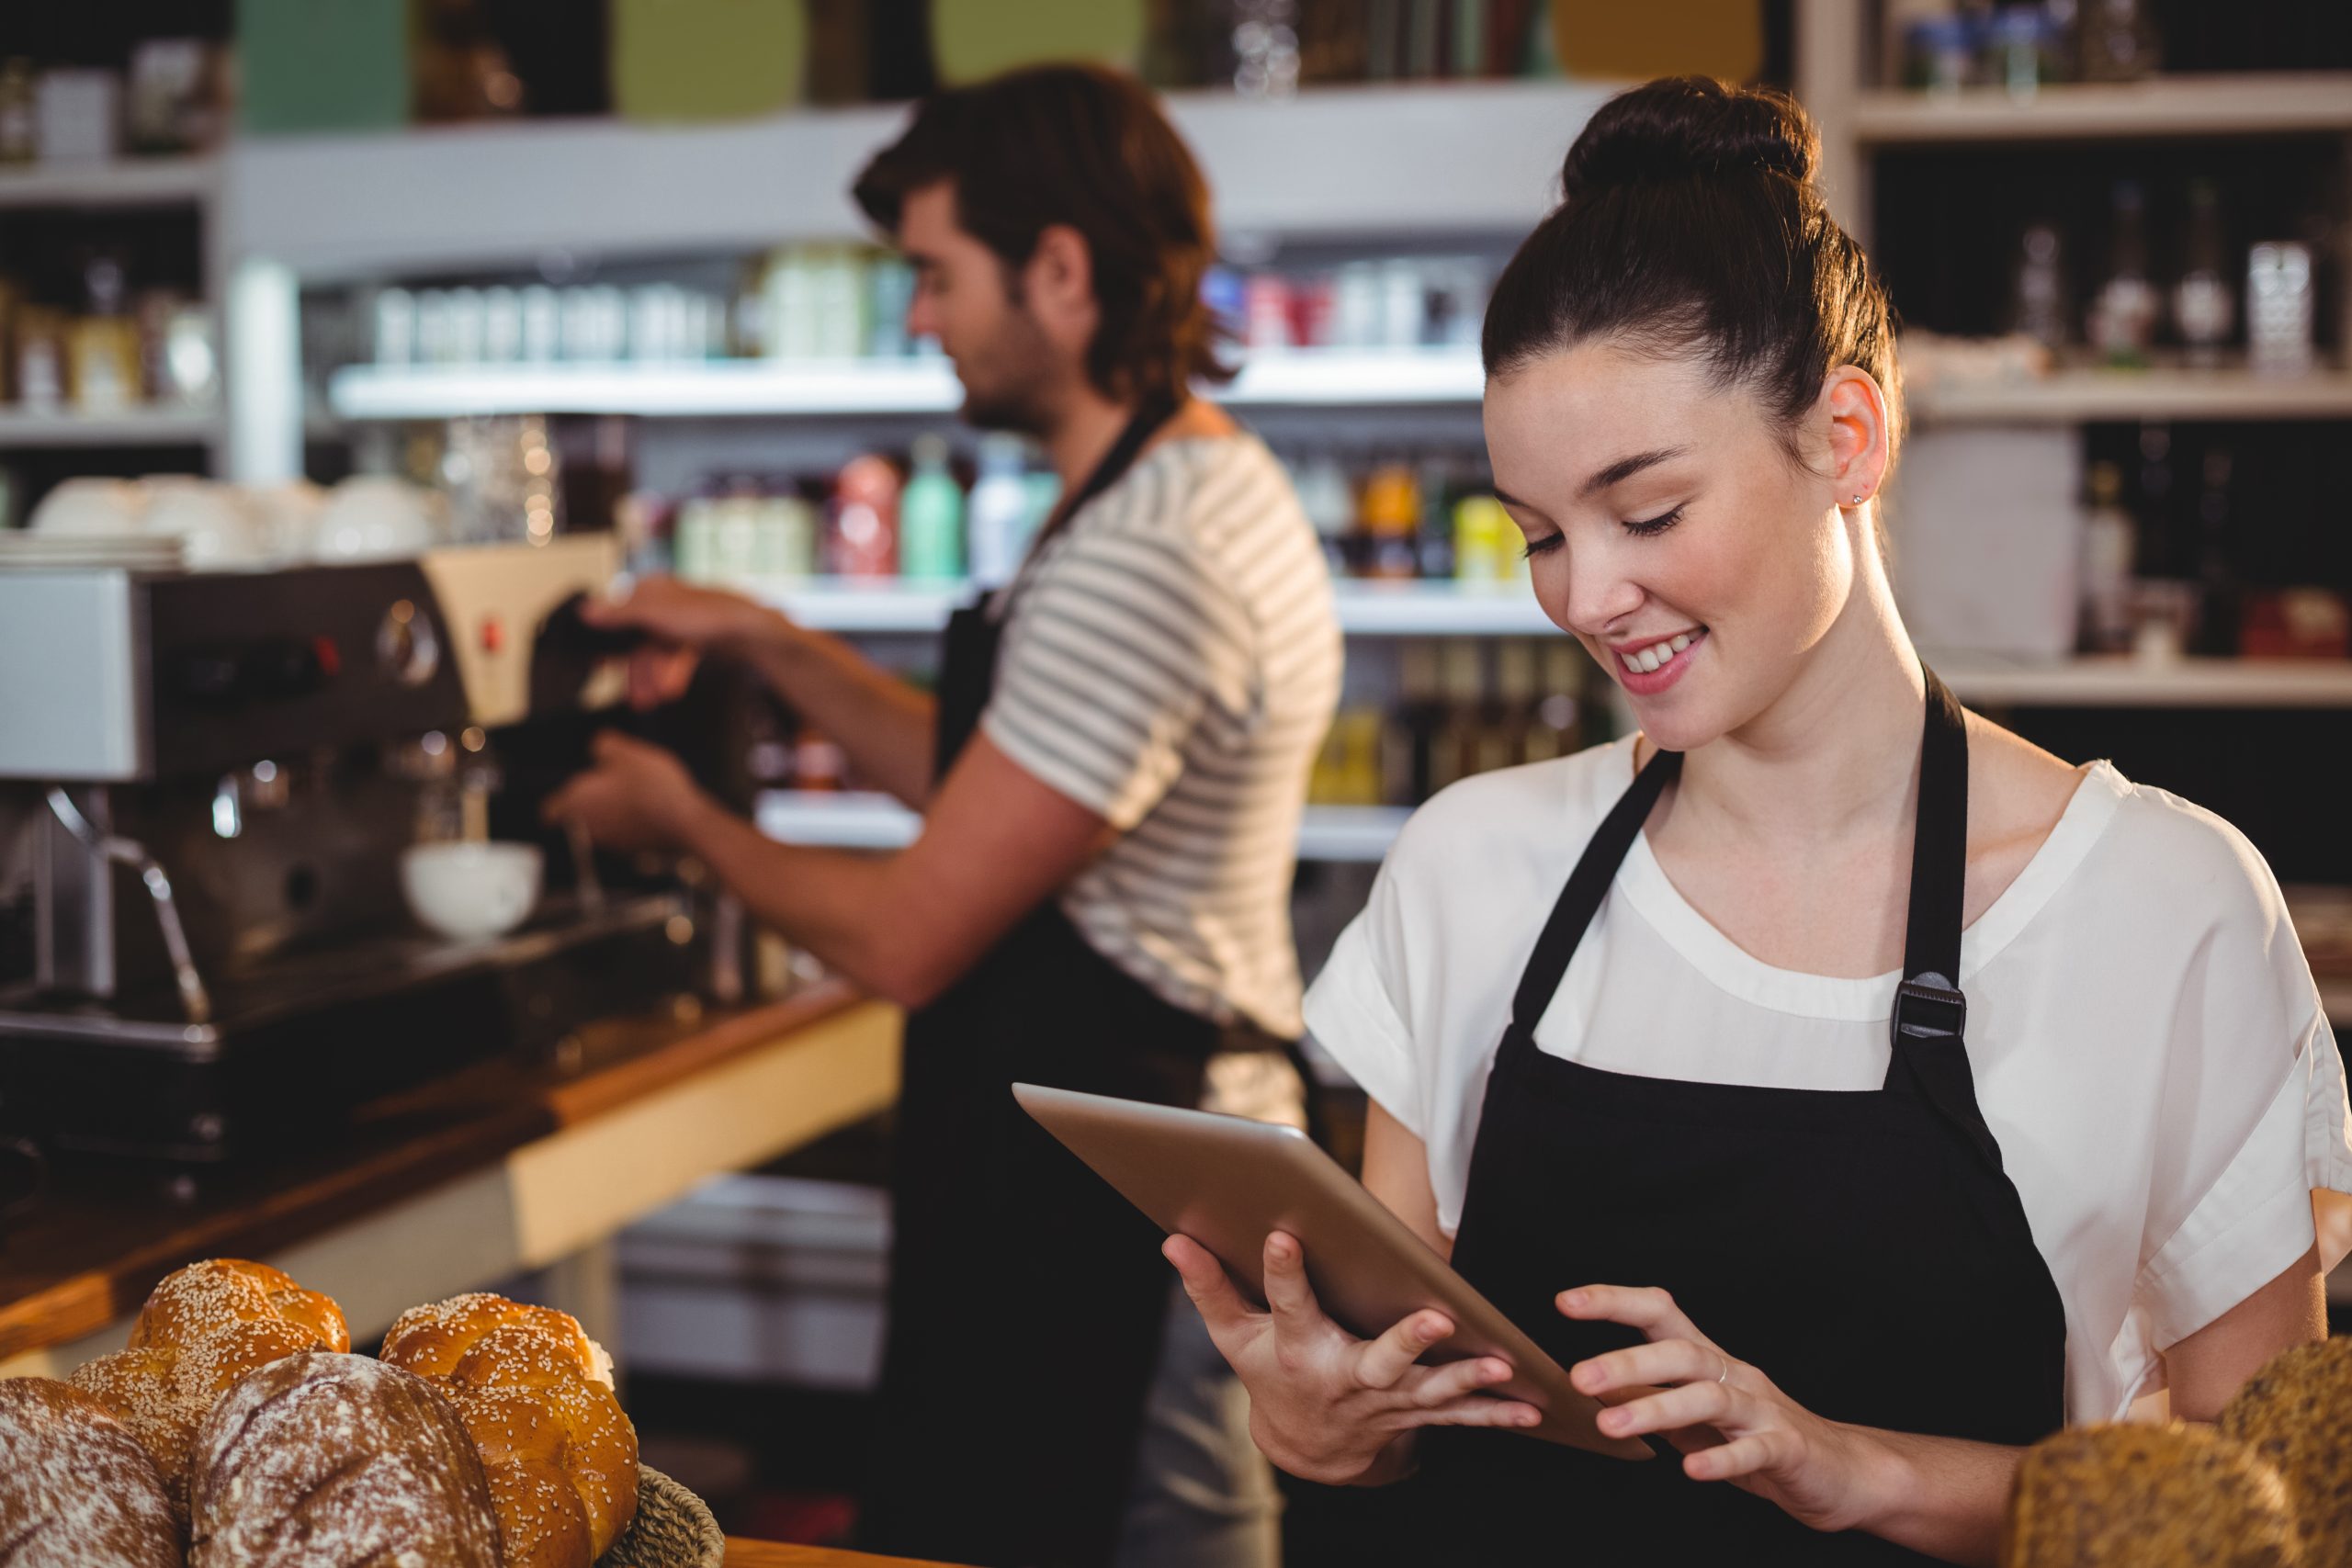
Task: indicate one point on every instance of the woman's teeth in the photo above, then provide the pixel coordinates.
(1649, 659)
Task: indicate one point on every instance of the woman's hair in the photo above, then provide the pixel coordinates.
(1690, 224)
(1089, 148)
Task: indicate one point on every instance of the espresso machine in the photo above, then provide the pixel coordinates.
(207, 781)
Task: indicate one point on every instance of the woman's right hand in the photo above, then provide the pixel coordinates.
(682, 622)
(1324, 1404)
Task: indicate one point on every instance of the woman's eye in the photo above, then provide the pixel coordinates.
(1646, 527)
(1542, 546)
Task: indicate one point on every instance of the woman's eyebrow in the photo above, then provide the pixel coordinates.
(1627, 468)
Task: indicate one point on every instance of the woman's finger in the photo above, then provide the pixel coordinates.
(1475, 1410)
(1645, 1307)
(1654, 1361)
(1208, 1286)
(1435, 1386)
(1287, 1291)
(1381, 1362)
(1692, 1404)
(1772, 1448)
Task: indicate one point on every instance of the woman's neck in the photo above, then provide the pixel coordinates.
(1836, 757)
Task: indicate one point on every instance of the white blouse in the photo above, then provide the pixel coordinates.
(2148, 1042)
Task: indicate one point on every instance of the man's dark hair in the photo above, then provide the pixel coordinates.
(1087, 147)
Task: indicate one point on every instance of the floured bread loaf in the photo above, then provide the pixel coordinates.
(330, 1459)
(76, 1489)
(204, 1326)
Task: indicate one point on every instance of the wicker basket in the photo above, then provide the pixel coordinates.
(673, 1530)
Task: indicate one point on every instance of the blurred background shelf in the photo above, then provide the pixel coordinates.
(745, 387)
(864, 820)
(2092, 683)
(1427, 158)
(1365, 609)
(2270, 103)
(131, 427)
(124, 183)
(2089, 396)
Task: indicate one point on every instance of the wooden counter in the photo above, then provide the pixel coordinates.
(506, 1168)
(741, 1553)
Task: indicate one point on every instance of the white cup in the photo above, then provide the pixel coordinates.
(376, 517)
(467, 891)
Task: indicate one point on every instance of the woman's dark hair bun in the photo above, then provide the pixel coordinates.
(1681, 128)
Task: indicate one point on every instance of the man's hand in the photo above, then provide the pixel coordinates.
(682, 622)
(635, 797)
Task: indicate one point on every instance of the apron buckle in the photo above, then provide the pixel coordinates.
(1927, 1008)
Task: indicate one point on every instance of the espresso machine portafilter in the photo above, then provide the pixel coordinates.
(207, 781)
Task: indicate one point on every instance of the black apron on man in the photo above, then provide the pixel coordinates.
(1027, 1297)
(1864, 1249)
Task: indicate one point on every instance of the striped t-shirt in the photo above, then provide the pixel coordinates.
(1171, 661)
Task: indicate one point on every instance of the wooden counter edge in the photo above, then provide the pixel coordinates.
(742, 1553)
(87, 1302)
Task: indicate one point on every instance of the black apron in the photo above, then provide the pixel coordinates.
(1027, 1296)
(1864, 1249)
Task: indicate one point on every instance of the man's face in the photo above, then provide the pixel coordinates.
(977, 308)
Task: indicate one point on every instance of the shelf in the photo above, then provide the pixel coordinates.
(2087, 396)
(868, 821)
(131, 427)
(751, 388)
(1365, 609)
(2267, 104)
(2121, 683)
(1425, 158)
(127, 182)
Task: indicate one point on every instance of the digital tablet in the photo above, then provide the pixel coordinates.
(1227, 1182)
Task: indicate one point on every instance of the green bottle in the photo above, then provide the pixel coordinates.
(931, 517)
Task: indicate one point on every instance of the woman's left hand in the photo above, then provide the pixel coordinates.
(1730, 1421)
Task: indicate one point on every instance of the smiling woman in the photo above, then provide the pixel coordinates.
(1854, 1090)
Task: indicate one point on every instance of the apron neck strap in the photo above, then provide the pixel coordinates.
(1587, 886)
(1928, 1005)
(1141, 426)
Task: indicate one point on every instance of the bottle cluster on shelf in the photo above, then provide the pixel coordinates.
(933, 517)
(1393, 303)
(2132, 310)
(170, 96)
(845, 302)
(876, 520)
(2165, 567)
(1396, 519)
(1463, 706)
(117, 345)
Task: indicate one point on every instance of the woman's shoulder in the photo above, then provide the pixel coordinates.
(1531, 816)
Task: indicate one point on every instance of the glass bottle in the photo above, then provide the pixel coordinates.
(2123, 316)
(2203, 305)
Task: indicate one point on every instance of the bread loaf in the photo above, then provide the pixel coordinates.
(76, 1489)
(534, 1392)
(204, 1327)
(325, 1458)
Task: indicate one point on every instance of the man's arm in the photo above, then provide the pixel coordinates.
(884, 723)
(997, 844)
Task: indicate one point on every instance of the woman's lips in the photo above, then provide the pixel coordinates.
(1651, 668)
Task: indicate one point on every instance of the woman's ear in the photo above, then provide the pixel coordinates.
(1861, 434)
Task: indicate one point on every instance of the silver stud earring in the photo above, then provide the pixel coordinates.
(1858, 500)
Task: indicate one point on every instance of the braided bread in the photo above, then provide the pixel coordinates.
(2131, 1496)
(204, 1327)
(2297, 1414)
(535, 1394)
(76, 1489)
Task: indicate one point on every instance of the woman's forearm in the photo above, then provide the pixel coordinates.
(1944, 1496)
